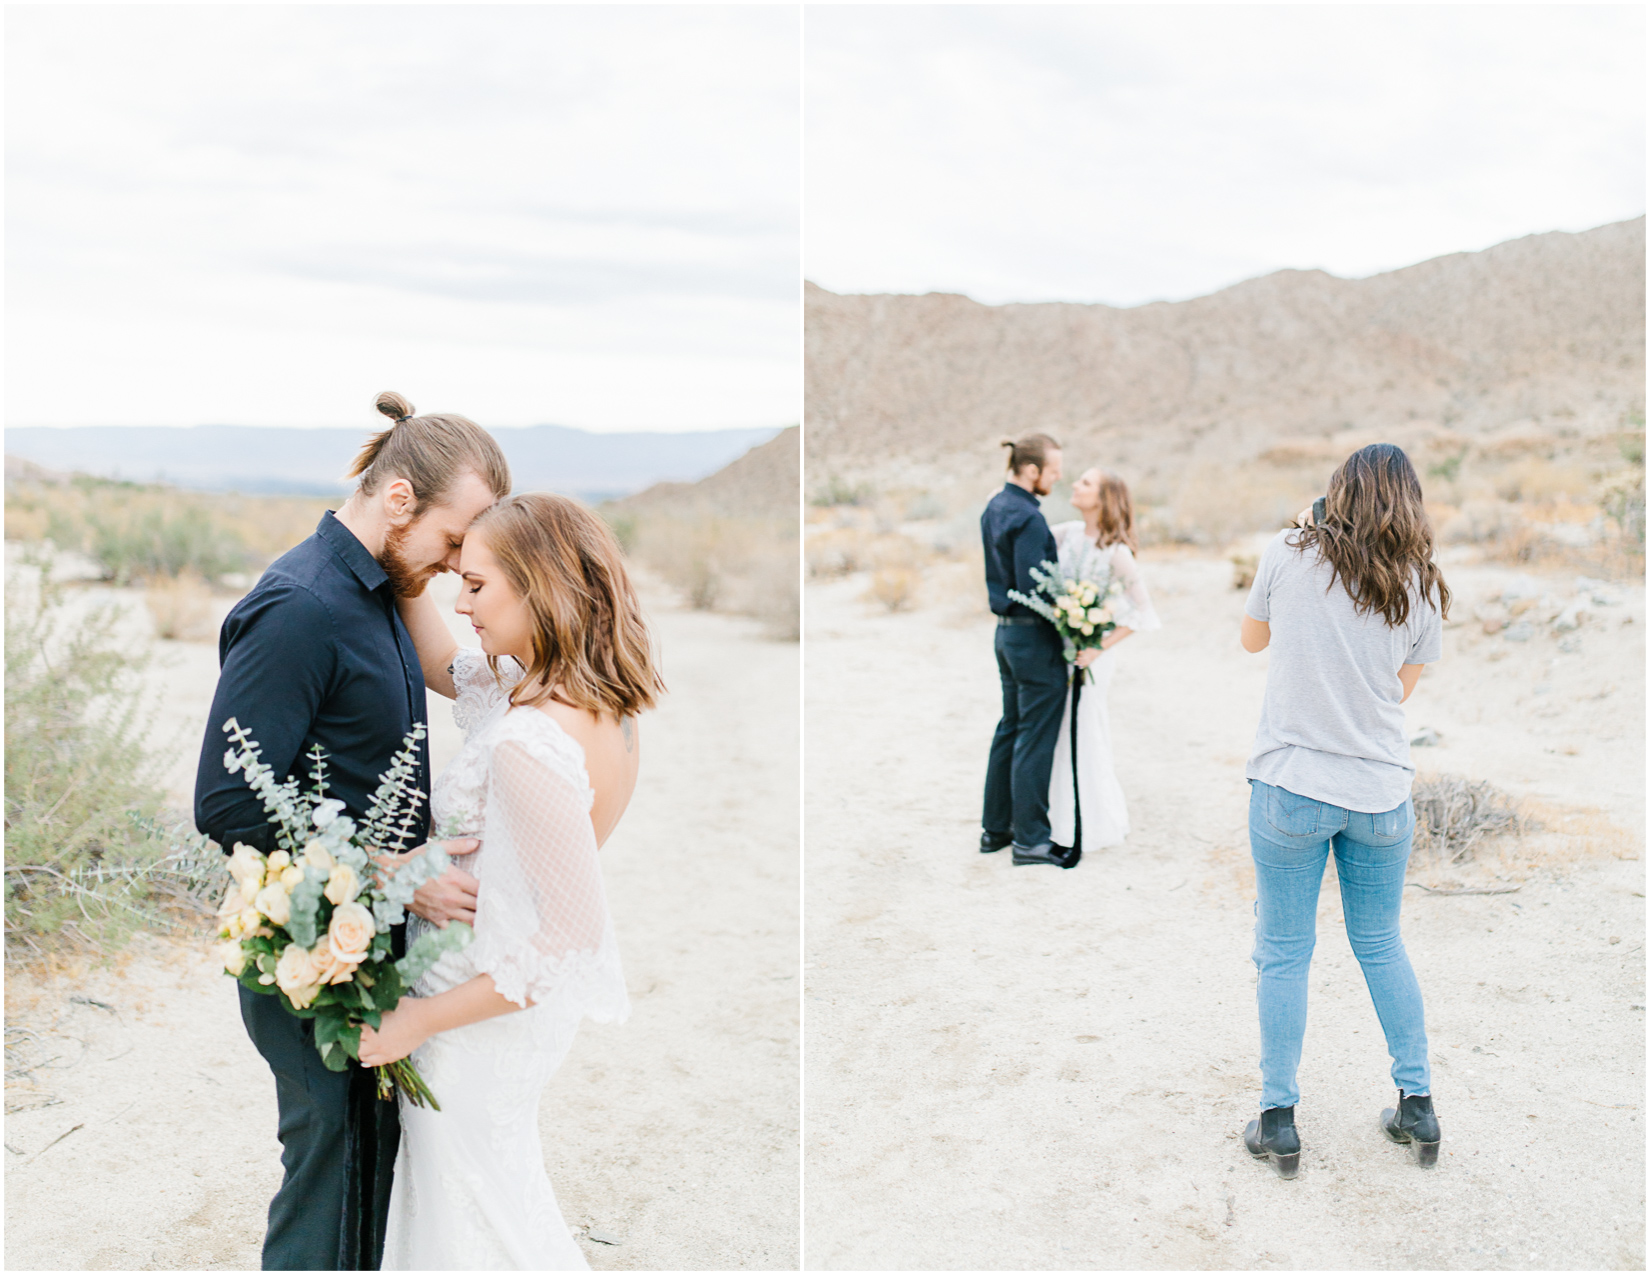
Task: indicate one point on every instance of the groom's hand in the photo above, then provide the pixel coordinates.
(452, 895)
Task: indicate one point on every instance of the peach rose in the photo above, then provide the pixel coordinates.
(292, 877)
(279, 861)
(351, 931)
(295, 974)
(316, 855)
(328, 968)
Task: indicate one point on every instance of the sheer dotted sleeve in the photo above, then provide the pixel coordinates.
(542, 926)
(479, 692)
(1136, 611)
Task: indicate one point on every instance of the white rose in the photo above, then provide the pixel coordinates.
(343, 885)
(1087, 629)
(233, 956)
(274, 903)
(292, 877)
(246, 865)
(317, 856)
(279, 861)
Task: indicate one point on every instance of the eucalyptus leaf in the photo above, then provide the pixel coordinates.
(430, 948)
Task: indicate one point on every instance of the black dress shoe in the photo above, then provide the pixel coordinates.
(1070, 856)
(1048, 853)
(991, 842)
(1273, 1137)
(1413, 1123)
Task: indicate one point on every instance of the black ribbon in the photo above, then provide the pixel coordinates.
(1078, 675)
(371, 1136)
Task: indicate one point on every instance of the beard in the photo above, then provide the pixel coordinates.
(406, 580)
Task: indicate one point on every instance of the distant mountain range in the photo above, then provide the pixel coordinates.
(274, 461)
(1539, 336)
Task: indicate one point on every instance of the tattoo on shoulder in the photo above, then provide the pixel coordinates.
(629, 734)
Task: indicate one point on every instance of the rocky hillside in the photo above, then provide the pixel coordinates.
(1541, 337)
(765, 482)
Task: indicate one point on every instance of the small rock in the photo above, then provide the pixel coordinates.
(1523, 631)
(1570, 645)
(1615, 938)
(603, 1237)
(1426, 737)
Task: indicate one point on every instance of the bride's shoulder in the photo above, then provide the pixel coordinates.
(1065, 530)
(545, 739)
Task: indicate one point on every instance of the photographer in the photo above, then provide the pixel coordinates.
(1351, 606)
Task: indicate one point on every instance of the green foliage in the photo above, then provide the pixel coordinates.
(837, 490)
(1447, 469)
(85, 858)
(138, 531)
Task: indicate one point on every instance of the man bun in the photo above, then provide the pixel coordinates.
(394, 405)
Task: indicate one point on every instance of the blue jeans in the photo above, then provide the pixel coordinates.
(1291, 837)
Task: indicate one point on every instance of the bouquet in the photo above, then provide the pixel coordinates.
(310, 922)
(1081, 611)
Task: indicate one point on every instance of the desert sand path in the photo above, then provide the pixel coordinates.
(675, 1133)
(1018, 1068)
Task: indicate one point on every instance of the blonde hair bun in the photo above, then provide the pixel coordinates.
(394, 405)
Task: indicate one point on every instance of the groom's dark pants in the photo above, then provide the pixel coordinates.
(338, 1144)
(1033, 670)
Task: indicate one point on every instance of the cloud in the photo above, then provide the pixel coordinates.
(1133, 153)
(479, 192)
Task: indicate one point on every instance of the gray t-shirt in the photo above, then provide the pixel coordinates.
(1332, 726)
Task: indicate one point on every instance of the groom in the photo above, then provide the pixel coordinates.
(1029, 660)
(316, 653)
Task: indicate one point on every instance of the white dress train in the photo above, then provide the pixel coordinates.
(1105, 812)
(470, 1189)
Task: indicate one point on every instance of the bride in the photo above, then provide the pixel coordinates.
(548, 709)
(1099, 548)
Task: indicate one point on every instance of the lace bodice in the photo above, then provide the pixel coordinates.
(519, 784)
(1080, 555)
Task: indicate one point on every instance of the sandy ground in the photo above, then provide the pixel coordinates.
(1027, 1068)
(144, 1138)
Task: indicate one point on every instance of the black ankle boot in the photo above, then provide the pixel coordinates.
(1274, 1136)
(1412, 1122)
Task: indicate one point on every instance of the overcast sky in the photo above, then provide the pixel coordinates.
(266, 214)
(1136, 153)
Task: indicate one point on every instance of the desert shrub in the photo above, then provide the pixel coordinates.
(1453, 815)
(181, 605)
(896, 587)
(134, 531)
(1215, 504)
(836, 490)
(739, 565)
(85, 859)
(839, 551)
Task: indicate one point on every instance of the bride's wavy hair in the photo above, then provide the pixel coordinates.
(1116, 512)
(1375, 535)
(591, 647)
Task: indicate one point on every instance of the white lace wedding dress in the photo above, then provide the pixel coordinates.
(471, 1191)
(1105, 813)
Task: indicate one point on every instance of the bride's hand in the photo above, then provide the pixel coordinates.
(1087, 657)
(399, 1033)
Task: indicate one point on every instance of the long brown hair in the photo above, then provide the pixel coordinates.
(591, 648)
(1375, 534)
(430, 452)
(1116, 512)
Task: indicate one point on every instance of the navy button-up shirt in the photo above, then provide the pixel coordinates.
(315, 654)
(1017, 538)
